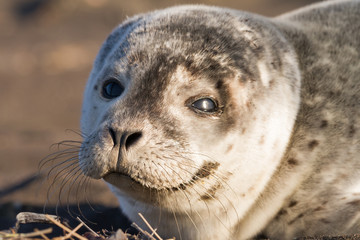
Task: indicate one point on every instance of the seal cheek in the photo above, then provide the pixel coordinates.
(97, 154)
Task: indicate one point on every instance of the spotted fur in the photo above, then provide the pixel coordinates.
(279, 155)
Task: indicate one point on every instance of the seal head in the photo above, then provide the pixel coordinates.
(187, 109)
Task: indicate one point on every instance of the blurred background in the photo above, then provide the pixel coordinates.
(46, 52)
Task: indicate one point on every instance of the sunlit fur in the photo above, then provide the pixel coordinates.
(277, 155)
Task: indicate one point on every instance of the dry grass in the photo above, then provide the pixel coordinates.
(73, 233)
(68, 233)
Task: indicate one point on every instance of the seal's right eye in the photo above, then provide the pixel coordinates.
(207, 105)
(112, 89)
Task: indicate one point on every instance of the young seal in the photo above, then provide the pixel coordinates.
(220, 124)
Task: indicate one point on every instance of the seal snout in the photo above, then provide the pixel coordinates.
(125, 139)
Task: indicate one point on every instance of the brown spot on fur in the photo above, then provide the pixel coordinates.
(352, 131)
(210, 194)
(324, 124)
(271, 83)
(280, 213)
(241, 80)
(219, 84)
(312, 144)
(292, 203)
(333, 94)
(319, 208)
(206, 196)
(229, 148)
(296, 218)
(206, 169)
(323, 220)
(249, 104)
(343, 79)
(355, 202)
(262, 139)
(293, 161)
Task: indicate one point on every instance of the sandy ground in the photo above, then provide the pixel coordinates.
(46, 52)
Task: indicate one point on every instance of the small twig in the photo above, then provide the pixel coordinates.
(92, 231)
(149, 226)
(73, 231)
(42, 234)
(26, 235)
(30, 217)
(64, 227)
(143, 231)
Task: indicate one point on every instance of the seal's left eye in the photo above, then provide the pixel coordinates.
(112, 89)
(205, 105)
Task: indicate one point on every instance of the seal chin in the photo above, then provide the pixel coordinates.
(122, 181)
(127, 183)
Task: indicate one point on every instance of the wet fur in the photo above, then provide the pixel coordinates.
(281, 154)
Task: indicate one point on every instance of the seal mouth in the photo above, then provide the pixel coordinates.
(121, 180)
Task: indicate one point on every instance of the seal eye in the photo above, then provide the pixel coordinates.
(205, 105)
(112, 89)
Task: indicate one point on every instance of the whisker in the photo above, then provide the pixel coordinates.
(216, 199)
(176, 222)
(210, 195)
(64, 184)
(186, 212)
(70, 187)
(87, 182)
(182, 191)
(218, 175)
(68, 177)
(71, 161)
(77, 132)
(78, 203)
(57, 156)
(56, 178)
(67, 143)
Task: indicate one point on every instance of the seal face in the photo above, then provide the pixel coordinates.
(191, 114)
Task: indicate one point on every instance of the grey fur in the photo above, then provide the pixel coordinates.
(315, 186)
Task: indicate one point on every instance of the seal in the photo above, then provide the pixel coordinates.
(221, 124)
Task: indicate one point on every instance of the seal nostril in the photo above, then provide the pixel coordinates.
(131, 138)
(113, 136)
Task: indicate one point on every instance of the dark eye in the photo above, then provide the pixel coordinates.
(205, 105)
(112, 89)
